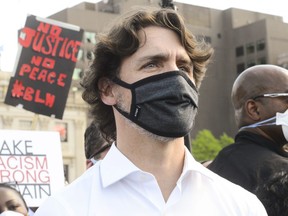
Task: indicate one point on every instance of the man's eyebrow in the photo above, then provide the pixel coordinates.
(185, 61)
(153, 57)
(161, 56)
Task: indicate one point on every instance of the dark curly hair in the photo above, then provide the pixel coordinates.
(273, 193)
(93, 140)
(9, 186)
(122, 41)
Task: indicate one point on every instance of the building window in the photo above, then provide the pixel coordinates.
(109, 6)
(260, 45)
(77, 74)
(207, 39)
(80, 55)
(25, 124)
(284, 65)
(250, 48)
(2, 92)
(62, 128)
(89, 55)
(66, 173)
(262, 60)
(90, 6)
(240, 68)
(3, 85)
(251, 63)
(239, 51)
(90, 37)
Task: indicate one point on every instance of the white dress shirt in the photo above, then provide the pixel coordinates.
(116, 187)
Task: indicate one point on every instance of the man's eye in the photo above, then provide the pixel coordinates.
(185, 68)
(150, 65)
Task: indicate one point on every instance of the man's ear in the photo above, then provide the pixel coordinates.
(105, 87)
(88, 163)
(252, 110)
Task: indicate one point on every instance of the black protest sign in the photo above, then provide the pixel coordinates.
(46, 61)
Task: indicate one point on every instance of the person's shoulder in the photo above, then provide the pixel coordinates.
(224, 155)
(231, 192)
(84, 181)
(73, 198)
(233, 152)
(230, 196)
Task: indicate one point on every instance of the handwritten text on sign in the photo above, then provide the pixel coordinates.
(44, 71)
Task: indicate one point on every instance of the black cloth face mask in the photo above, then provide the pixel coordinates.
(164, 104)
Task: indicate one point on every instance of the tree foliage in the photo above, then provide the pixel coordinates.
(206, 146)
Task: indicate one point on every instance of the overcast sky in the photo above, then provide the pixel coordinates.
(13, 16)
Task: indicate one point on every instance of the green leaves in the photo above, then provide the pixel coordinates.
(206, 146)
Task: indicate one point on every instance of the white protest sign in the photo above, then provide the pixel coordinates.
(32, 159)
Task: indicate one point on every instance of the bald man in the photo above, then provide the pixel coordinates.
(260, 100)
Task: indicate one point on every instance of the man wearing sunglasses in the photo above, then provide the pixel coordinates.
(260, 99)
(96, 147)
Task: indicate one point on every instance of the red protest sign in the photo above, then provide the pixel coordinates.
(45, 66)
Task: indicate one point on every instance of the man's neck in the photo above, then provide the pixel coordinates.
(163, 160)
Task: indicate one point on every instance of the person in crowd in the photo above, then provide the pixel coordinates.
(96, 147)
(260, 100)
(11, 213)
(11, 201)
(143, 92)
(273, 193)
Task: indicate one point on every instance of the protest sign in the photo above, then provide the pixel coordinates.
(32, 161)
(47, 57)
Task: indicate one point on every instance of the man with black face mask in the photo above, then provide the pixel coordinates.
(260, 99)
(143, 91)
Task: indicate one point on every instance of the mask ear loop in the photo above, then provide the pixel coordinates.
(267, 122)
(93, 160)
(282, 119)
(285, 148)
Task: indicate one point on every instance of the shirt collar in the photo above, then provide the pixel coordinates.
(191, 165)
(115, 166)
